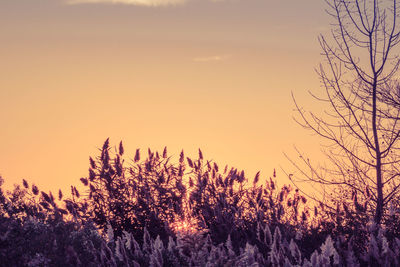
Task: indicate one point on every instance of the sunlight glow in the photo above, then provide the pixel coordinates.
(185, 227)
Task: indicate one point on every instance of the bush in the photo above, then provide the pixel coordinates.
(154, 212)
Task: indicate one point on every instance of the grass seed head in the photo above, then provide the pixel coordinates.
(256, 178)
(25, 183)
(121, 149)
(84, 181)
(35, 190)
(190, 162)
(92, 163)
(164, 155)
(200, 154)
(46, 197)
(137, 155)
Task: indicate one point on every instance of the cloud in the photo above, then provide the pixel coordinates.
(151, 3)
(212, 58)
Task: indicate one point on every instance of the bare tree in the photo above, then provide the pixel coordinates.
(361, 96)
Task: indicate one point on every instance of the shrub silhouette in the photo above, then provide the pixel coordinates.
(154, 212)
(154, 193)
(147, 194)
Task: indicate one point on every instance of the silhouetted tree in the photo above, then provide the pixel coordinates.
(361, 120)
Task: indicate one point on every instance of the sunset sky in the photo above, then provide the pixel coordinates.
(209, 74)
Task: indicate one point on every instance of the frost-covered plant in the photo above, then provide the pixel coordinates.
(379, 252)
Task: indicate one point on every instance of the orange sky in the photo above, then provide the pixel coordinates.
(215, 75)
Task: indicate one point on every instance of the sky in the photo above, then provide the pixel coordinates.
(186, 74)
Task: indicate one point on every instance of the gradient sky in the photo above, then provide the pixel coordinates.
(215, 75)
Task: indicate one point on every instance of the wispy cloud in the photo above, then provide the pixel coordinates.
(149, 3)
(153, 3)
(212, 58)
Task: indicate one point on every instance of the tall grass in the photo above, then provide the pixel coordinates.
(160, 211)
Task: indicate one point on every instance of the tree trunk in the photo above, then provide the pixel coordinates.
(378, 166)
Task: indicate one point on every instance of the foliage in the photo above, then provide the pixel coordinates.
(157, 213)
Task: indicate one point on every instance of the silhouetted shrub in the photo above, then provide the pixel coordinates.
(153, 212)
